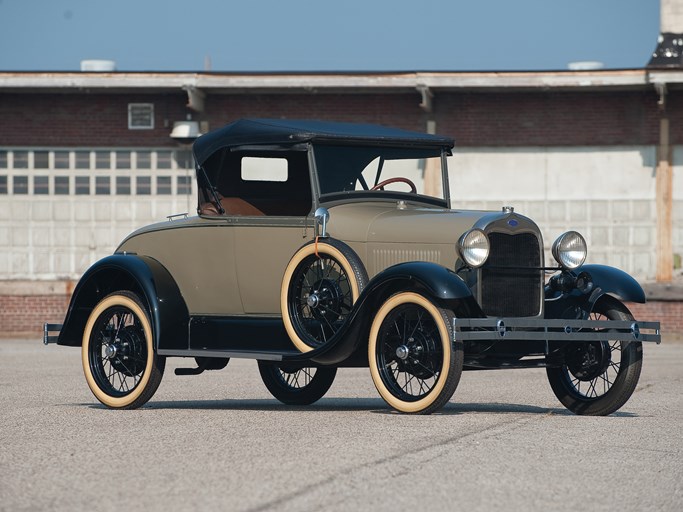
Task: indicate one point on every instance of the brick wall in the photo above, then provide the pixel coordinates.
(539, 118)
(669, 313)
(24, 315)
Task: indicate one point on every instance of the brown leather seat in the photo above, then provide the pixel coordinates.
(232, 206)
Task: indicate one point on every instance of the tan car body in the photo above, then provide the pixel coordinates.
(235, 265)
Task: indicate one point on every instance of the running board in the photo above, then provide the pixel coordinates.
(236, 354)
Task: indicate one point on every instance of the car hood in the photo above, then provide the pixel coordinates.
(403, 223)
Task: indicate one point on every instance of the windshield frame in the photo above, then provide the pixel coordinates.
(441, 152)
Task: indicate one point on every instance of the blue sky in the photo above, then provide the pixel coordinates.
(324, 35)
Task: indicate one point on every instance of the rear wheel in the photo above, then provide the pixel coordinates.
(414, 362)
(598, 377)
(297, 386)
(119, 362)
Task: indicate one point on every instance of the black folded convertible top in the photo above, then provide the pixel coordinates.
(292, 131)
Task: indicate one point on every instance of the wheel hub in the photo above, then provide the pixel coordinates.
(325, 301)
(126, 352)
(416, 356)
(586, 361)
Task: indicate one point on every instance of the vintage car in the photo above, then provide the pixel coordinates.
(320, 245)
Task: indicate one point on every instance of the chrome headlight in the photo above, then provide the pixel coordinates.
(570, 250)
(473, 247)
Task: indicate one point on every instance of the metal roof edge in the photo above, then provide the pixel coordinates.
(277, 81)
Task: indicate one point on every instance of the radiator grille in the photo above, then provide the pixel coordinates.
(512, 291)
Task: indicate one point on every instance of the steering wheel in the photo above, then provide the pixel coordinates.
(382, 184)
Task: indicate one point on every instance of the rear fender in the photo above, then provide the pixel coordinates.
(142, 275)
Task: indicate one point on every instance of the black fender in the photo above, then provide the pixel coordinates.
(142, 275)
(432, 280)
(606, 281)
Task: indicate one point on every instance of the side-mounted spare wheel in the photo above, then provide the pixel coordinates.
(322, 281)
(414, 361)
(120, 364)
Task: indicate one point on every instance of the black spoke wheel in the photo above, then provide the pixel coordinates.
(598, 377)
(296, 386)
(321, 284)
(414, 362)
(119, 362)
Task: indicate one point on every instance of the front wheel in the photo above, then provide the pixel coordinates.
(414, 361)
(598, 377)
(296, 386)
(120, 365)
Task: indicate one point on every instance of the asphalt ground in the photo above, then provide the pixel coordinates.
(218, 441)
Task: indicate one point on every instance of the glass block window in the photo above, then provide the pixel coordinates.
(123, 159)
(184, 185)
(61, 159)
(141, 116)
(41, 185)
(102, 186)
(61, 185)
(82, 185)
(41, 159)
(21, 159)
(82, 159)
(144, 160)
(20, 185)
(143, 185)
(164, 185)
(164, 159)
(102, 160)
(123, 185)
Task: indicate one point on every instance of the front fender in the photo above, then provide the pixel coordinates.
(606, 280)
(142, 275)
(613, 281)
(434, 281)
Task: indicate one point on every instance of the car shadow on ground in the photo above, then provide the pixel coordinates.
(375, 406)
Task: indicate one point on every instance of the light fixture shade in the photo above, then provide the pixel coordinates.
(185, 131)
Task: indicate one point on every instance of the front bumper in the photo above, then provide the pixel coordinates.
(496, 329)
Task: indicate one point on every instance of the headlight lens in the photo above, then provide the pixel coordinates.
(570, 250)
(473, 247)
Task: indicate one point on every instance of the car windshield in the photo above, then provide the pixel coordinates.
(362, 170)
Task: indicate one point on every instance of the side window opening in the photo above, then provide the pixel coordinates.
(261, 183)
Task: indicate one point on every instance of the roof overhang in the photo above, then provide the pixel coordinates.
(399, 82)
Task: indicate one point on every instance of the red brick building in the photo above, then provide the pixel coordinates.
(87, 157)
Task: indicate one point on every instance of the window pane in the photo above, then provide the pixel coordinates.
(144, 160)
(62, 185)
(144, 185)
(21, 184)
(163, 159)
(61, 159)
(123, 159)
(3, 159)
(3, 184)
(21, 159)
(123, 185)
(41, 185)
(102, 160)
(82, 159)
(82, 185)
(184, 185)
(163, 185)
(102, 185)
(184, 159)
(41, 159)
